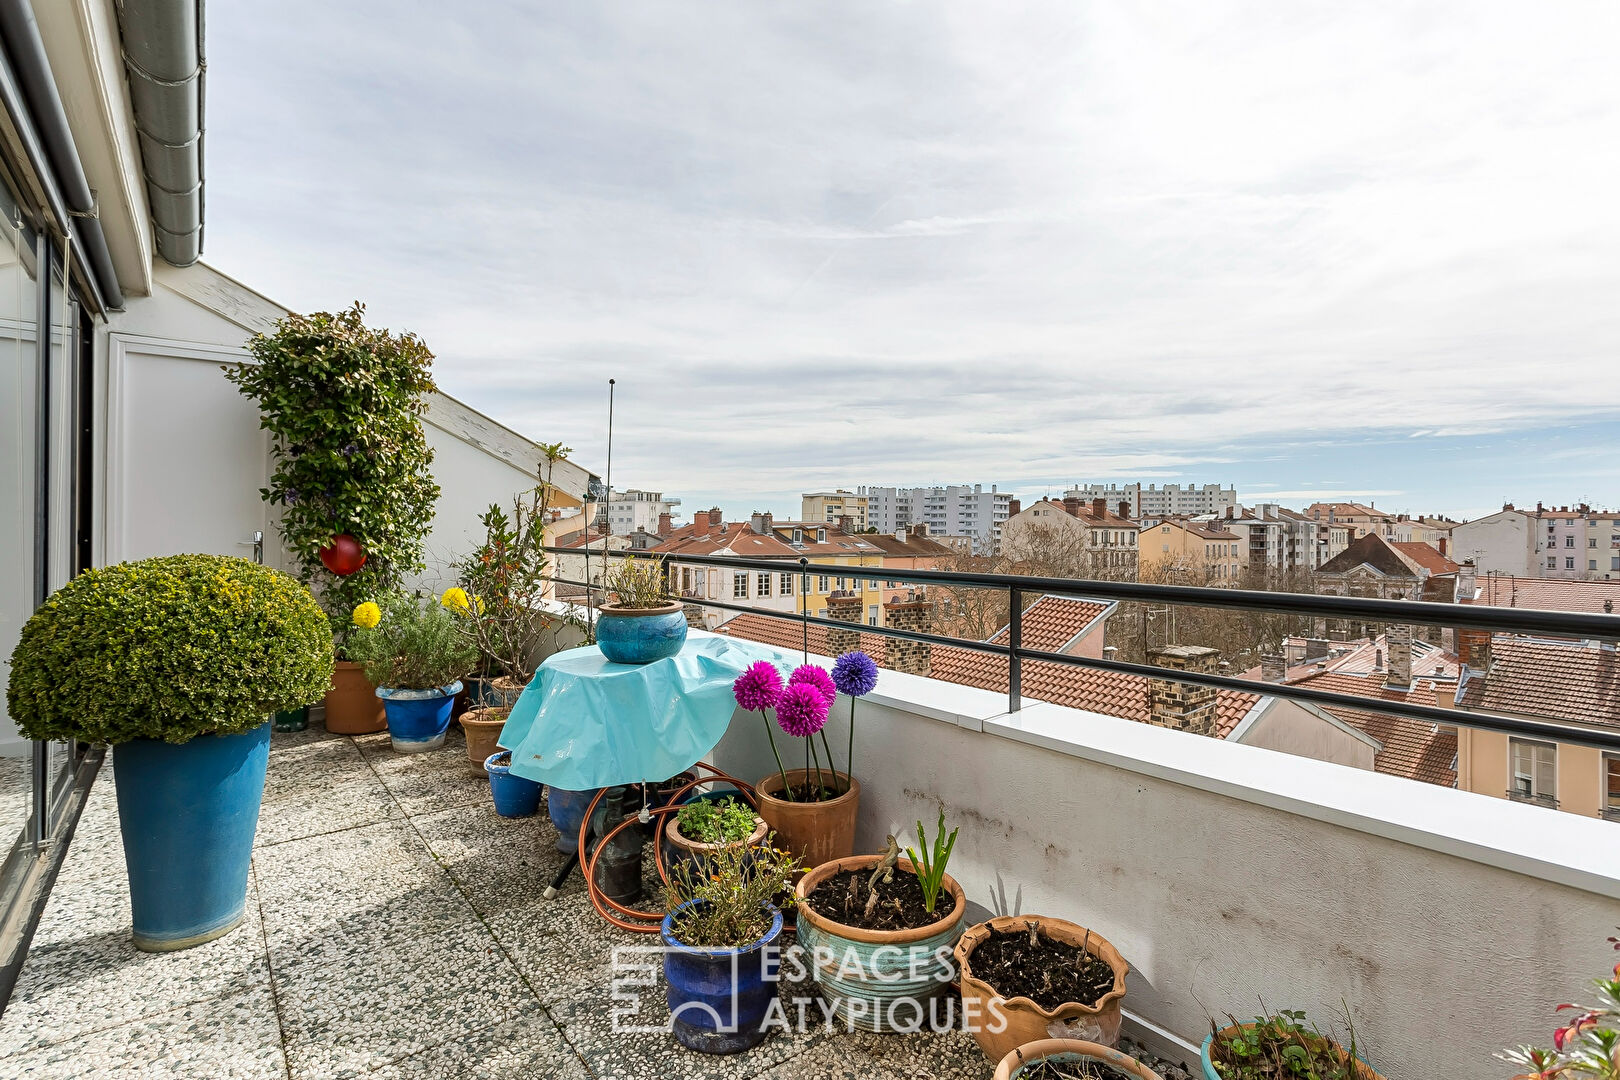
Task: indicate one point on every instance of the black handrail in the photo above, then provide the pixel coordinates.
(1559, 624)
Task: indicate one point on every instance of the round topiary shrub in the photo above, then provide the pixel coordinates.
(168, 648)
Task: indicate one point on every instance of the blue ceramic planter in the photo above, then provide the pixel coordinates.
(418, 719)
(514, 796)
(640, 635)
(718, 998)
(188, 812)
(567, 810)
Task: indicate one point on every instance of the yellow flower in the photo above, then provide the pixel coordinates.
(367, 615)
(455, 600)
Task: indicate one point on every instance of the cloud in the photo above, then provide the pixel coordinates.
(882, 243)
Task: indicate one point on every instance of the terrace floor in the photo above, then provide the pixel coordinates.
(395, 929)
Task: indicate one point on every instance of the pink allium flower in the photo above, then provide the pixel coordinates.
(759, 687)
(801, 711)
(811, 675)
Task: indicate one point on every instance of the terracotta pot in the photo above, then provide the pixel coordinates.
(352, 705)
(1364, 1071)
(1027, 1022)
(1070, 1050)
(678, 847)
(817, 832)
(878, 980)
(482, 726)
(504, 692)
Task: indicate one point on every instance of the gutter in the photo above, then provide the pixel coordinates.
(27, 52)
(163, 57)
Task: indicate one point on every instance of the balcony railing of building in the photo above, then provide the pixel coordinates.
(1523, 621)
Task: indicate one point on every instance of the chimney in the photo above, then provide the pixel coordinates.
(912, 613)
(1071, 504)
(1178, 705)
(1442, 543)
(846, 524)
(1399, 676)
(715, 516)
(1124, 509)
(665, 525)
(760, 523)
(1099, 507)
(1315, 648)
(1013, 506)
(1467, 581)
(1273, 667)
(700, 523)
(844, 607)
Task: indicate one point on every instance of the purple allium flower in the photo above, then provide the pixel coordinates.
(855, 673)
(811, 675)
(759, 687)
(801, 711)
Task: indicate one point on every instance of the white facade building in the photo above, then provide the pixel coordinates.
(633, 509)
(954, 510)
(1153, 501)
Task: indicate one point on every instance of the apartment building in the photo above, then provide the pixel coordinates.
(1571, 543)
(1206, 552)
(1087, 536)
(829, 506)
(1160, 501)
(633, 510)
(954, 510)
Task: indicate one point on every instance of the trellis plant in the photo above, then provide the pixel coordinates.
(929, 866)
(343, 403)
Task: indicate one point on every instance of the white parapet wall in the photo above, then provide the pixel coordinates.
(1449, 923)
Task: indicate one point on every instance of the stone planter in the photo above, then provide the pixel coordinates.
(482, 726)
(640, 635)
(879, 980)
(817, 832)
(1069, 1051)
(352, 707)
(1027, 1022)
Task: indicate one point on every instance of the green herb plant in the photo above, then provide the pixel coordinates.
(736, 889)
(638, 584)
(708, 821)
(343, 403)
(1283, 1046)
(168, 648)
(417, 645)
(929, 866)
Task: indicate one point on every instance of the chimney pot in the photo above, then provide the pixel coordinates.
(665, 526)
(715, 516)
(1099, 507)
(1071, 505)
(1399, 639)
(1124, 509)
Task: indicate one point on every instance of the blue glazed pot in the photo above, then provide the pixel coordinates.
(188, 812)
(418, 719)
(640, 635)
(718, 998)
(1366, 1069)
(567, 810)
(514, 796)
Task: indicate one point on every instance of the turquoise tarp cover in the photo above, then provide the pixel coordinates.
(584, 722)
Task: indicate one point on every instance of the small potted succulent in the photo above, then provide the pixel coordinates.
(185, 704)
(720, 946)
(702, 826)
(1586, 1048)
(1043, 976)
(1071, 1059)
(641, 623)
(1283, 1043)
(813, 810)
(882, 929)
(415, 653)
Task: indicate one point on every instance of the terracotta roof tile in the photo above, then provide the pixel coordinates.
(1557, 680)
(1052, 622)
(1412, 748)
(1425, 555)
(1548, 594)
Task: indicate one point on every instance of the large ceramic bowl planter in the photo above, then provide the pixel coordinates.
(418, 719)
(879, 980)
(1069, 1052)
(640, 635)
(352, 707)
(515, 796)
(1027, 1022)
(188, 812)
(718, 998)
(1364, 1071)
(817, 832)
(483, 726)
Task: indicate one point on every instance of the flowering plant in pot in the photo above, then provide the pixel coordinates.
(1586, 1048)
(415, 653)
(343, 403)
(1042, 978)
(1281, 1044)
(720, 945)
(641, 623)
(813, 810)
(880, 930)
(185, 704)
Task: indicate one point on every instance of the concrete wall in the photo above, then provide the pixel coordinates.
(1450, 923)
(1501, 543)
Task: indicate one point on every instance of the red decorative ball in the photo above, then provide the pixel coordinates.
(344, 555)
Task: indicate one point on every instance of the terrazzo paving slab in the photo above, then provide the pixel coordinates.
(430, 782)
(497, 862)
(373, 1007)
(84, 972)
(332, 807)
(233, 1038)
(524, 1048)
(562, 946)
(863, 1056)
(302, 768)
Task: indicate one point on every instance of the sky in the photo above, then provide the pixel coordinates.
(1365, 251)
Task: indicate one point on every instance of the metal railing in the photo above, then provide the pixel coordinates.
(1552, 624)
